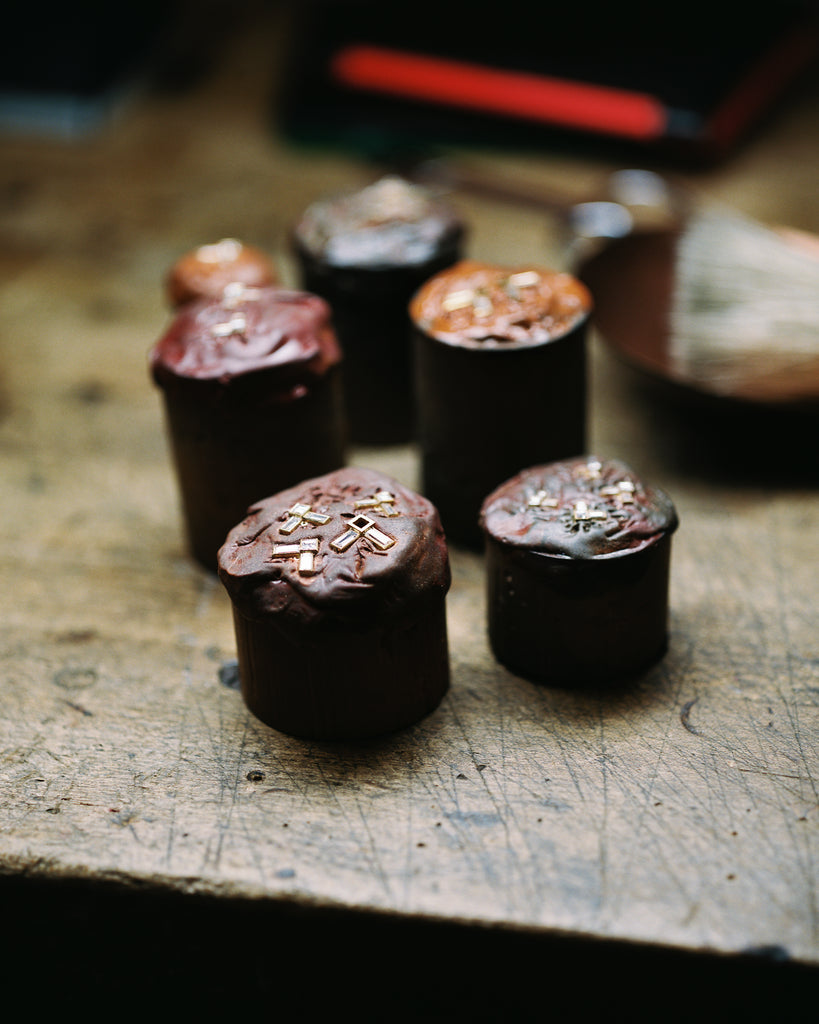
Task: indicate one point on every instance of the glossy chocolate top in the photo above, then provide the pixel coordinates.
(208, 270)
(579, 508)
(271, 329)
(390, 223)
(353, 545)
(482, 305)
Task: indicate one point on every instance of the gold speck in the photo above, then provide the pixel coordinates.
(220, 252)
(457, 300)
(541, 500)
(525, 279)
(236, 325)
(483, 306)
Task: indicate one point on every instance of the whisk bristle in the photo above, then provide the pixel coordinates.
(745, 303)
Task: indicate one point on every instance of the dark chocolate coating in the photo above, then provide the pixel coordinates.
(367, 257)
(389, 224)
(352, 642)
(490, 404)
(205, 272)
(253, 404)
(578, 559)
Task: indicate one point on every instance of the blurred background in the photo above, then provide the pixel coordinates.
(136, 133)
(387, 78)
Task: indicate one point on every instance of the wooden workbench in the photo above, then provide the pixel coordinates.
(522, 848)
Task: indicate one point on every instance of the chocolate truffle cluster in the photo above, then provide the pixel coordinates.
(338, 575)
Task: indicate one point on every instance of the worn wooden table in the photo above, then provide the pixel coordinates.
(155, 836)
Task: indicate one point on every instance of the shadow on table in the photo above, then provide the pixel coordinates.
(725, 442)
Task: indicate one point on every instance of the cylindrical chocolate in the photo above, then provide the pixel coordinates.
(577, 561)
(367, 252)
(500, 358)
(205, 272)
(253, 403)
(338, 588)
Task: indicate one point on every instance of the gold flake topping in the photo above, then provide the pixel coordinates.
(236, 292)
(220, 252)
(306, 551)
(301, 514)
(382, 503)
(623, 491)
(540, 499)
(589, 470)
(236, 325)
(525, 279)
(583, 512)
(458, 300)
(482, 305)
(359, 528)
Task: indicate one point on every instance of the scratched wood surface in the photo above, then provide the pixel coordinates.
(679, 813)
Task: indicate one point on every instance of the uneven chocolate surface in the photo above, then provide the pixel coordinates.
(205, 272)
(389, 223)
(579, 508)
(251, 330)
(483, 305)
(351, 545)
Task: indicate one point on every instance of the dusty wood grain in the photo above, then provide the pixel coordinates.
(681, 811)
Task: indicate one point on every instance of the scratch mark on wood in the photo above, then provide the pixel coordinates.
(783, 585)
(480, 818)
(126, 819)
(603, 827)
(476, 845)
(562, 733)
(80, 708)
(242, 827)
(369, 848)
(685, 714)
(778, 775)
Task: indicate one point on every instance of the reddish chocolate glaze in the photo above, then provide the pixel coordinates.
(261, 329)
(362, 584)
(483, 305)
(579, 508)
(205, 272)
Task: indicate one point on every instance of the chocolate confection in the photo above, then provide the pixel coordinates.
(205, 272)
(578, 555)
(338, 588)
(500, 357)
(366, 253)
(253, 403)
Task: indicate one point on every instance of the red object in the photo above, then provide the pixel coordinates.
(766, 79)
(641, 114)
(513, 93)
